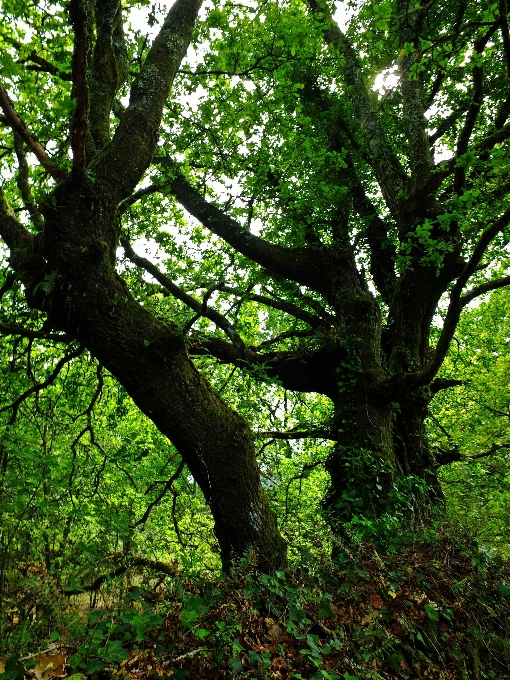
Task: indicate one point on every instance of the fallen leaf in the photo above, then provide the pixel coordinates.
(275, 631)
(50, 666)
(377, 602)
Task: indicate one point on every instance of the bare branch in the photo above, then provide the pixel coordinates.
(166, 488)
(29, 333)
(178, 293)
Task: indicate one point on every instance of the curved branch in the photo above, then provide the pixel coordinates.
(49, 380)
(178, 293)
(308, 266)
(30, 140)
(162, 567)
(394, 386)
(167, 487)
(484, 288)
(473, 110)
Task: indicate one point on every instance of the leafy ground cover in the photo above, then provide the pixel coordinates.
(434, 609)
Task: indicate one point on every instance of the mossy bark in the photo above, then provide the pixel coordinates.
(90, 301)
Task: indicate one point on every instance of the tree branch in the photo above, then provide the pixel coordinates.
(29, 333)
(30, 140)
(166, 488)
(50, 379)
(413, 112)
(22, 180)
(473, 110)
(389, 172)
(81, 19)
(308, 266)
(129, 154)
(405, 381)
(178, 293)
(484, 288)
(109, 68)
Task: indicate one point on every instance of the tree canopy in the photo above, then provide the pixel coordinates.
(260, 223)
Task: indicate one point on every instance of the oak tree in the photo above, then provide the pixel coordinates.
(333, 179)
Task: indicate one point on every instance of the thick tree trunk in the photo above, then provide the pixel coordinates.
(381, 462)
(150, 359)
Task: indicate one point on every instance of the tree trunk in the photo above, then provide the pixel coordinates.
(89, 300)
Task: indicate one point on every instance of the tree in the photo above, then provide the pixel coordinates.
(308, 207)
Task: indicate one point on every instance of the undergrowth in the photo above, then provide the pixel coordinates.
(434, 609)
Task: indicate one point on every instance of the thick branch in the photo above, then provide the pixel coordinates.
(308, 266)
(16, 236)
(109, 68)
(382, 252)
(30, 140)
(388, 170)
(484, 288)
(399, 383)
(413, 98)
(125, 159)
(81, 19)
(22, 180)
(505, 33)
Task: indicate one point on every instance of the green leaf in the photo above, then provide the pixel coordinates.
(432, 612)
(94, 666)
(115, 652)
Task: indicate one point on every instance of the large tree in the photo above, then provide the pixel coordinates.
(271, 174)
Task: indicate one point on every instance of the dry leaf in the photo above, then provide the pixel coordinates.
(50, 666)
(3, 660)
(377, 602)
(276, 631)
(278, 662)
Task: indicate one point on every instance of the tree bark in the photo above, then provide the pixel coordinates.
(89, 300)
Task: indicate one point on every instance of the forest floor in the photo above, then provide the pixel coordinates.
(431, 611)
